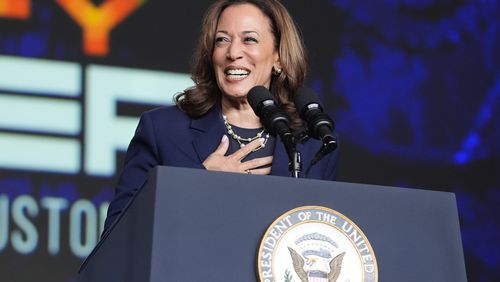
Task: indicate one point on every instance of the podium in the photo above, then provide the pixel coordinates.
(197, 225)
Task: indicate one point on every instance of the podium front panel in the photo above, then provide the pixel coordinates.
(207, 226)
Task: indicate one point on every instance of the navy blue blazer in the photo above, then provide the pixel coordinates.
(167, 136)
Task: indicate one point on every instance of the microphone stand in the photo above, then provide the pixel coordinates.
(329, 145)
(295, 166)
(294, 158)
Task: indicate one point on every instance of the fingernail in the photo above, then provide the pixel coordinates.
(224, 138)
(261, 140)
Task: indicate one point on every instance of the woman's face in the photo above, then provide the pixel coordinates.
(244, 52)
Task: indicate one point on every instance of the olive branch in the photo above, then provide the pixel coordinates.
(288, 276)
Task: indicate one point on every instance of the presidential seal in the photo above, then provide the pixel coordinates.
(315, 244)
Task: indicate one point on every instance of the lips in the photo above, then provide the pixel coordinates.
(236, 73)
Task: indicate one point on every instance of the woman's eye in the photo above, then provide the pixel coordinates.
(221, 39)
(250, 39)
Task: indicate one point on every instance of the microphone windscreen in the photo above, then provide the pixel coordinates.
(257, 95)
(304, 97)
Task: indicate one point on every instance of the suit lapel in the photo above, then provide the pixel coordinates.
(211, 130)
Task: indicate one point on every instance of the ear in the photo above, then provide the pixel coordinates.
(277, 63)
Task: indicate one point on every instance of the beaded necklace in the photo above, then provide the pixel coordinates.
(244, 141)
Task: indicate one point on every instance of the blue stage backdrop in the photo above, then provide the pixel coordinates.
(414, 88)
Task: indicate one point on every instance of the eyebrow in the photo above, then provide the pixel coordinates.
(244, 32)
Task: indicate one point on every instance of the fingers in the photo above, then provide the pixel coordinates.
(257, 163)
(223, 146)
(260, 171)
(243, 152)
(232, 163)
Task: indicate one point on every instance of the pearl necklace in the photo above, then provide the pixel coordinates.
(243, 141)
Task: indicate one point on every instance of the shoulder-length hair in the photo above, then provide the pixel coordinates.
(199, 99)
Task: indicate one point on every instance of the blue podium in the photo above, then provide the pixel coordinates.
(196, 225)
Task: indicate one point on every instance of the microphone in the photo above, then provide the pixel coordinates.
(276, 121)
(319, 124)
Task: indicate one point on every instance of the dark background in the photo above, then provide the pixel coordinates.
(414, 88)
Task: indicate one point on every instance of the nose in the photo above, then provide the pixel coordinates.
(234, 51)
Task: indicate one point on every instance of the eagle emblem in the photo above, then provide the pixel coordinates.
(313, 269)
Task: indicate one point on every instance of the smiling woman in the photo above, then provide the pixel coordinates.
(244, 53)
(272, 19)
(242, 44)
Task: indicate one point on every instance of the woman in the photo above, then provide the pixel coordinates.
(212, 126)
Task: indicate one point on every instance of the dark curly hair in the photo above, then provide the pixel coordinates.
(199, 99)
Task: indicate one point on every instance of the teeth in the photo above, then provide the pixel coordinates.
(237, 72)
